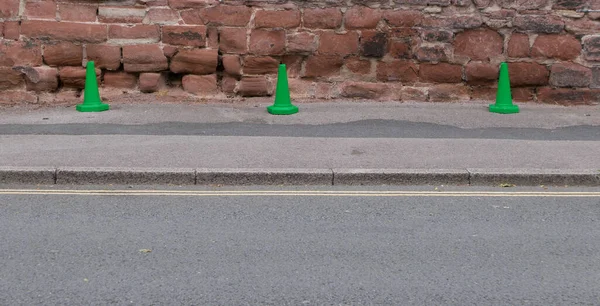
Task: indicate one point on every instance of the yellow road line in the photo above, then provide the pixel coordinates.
(325, 193)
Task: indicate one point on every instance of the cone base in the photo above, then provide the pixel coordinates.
(92, 108)
(504, 109)
(282, 110)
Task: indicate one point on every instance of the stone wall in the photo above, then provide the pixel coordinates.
(423, 50)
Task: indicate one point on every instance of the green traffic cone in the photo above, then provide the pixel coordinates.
(283, 104)
(504, 104)
(91, 95)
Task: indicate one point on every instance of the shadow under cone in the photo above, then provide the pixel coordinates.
(283, 104)
(91, 95)
(504, 104)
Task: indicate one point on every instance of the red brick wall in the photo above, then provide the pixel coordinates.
(423, 50)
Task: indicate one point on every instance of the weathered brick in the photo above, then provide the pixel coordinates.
(260, 65)
(301, 42)
(231, 65)
(74, 77)
(151, 82)
(440, 73)
(184, 35)
(323, 91)
(10, 79)
(582, 26)
(540, 24)
(358, 66)
(418, 94)
(361, 17)
(13, 53)
(523, 94)
(565, 47)
(43, 9)
(255, 86)
(120, 80)
(403, 18)
(399, 49)
(118, 14)
(322, 66)
(182, 4)
(570, 75)
(11, 97)
(478, 44)
(212, 37)
(293, 65)
(332, 43)
(70, 31)
(364, 90)
(569, 4)
(373, 44)
(327, 18)
(518, 46)
(455, 22)
(169, 51)
(424, 2)
(233, 40)
(195, 61)
(85, 12)
(267, 42)
(200, 84)
(397, 71)
(161, 16)
(63, 54)
(433, 53)
(142, 32)
(191, 17)
(481, 73)
(9, 9)
(523, 4)
(528, 74)
(437, 36)
(226, 15)
(449, 92)
(228, 84)
(595, 77)
(144, 58)
(39, 79)
(565, 96)
(591, 47)
(483, 93)
(104, 56)
(301, 89)
(277, 19)
(12, 30)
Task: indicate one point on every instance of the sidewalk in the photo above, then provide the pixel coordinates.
(326, 143)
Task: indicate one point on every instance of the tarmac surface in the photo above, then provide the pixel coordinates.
(335, 137)
(299, 246)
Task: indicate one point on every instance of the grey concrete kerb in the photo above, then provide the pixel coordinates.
(323, 177)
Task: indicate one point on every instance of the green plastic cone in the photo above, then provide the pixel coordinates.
(504, 104)
(283, 104)
(91, 95)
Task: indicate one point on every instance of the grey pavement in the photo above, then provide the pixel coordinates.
(549, 141)
(246, 249)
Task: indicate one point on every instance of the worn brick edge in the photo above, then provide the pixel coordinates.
(348, 177)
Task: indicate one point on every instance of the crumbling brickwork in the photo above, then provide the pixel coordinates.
(398, 50)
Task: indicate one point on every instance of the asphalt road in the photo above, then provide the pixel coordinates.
(299, 246)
